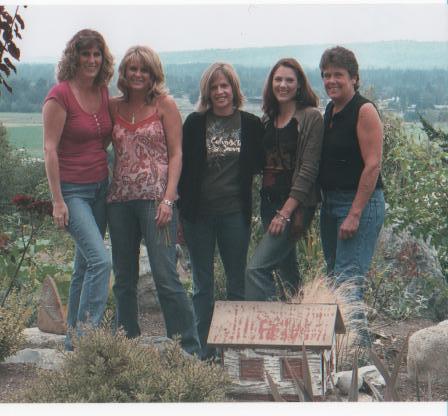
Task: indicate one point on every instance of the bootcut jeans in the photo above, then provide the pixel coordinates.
(349, 260)
(274, 252)
(89, 286)
(129, 222)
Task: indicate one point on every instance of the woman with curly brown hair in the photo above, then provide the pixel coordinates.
(147, 140)
(292, 142)
(77, 125)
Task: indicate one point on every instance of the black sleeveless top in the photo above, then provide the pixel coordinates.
(341, 164)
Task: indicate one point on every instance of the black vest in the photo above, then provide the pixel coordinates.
(341, 164)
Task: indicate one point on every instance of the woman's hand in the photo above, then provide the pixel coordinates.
(278, 224)
(60, 214)
(164, 214)
(349, 227)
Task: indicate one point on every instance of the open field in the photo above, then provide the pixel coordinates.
(25, 129)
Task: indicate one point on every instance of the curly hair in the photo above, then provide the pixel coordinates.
(204, 103)
(340, 57)
(69, 63)
(305, 97)
(150, 60)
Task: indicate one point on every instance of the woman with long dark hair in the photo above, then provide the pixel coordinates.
(289, 194)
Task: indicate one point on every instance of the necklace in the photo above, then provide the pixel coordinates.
(135, 112)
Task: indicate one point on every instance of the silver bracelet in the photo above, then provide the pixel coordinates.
(282, 217)
(168, 203)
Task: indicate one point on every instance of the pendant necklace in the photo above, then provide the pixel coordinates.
(135, 112)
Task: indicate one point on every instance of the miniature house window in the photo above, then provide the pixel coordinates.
(252, 369)
(296, 366)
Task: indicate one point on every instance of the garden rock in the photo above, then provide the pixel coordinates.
(146, 288)
(50, 315)
(35, 338)
(372, 375)
(411, 260)
(343, 381)
(428, 352)
(48, 359)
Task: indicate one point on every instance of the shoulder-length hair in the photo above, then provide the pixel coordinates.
(84, 39)
(149, 59)
(340, 57)
(204, 102)
(305, 97)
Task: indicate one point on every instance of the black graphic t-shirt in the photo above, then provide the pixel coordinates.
(220, 192)
(280, 146)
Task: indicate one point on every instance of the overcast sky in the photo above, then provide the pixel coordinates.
(188, 27)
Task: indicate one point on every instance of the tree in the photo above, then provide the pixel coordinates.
(10, 27)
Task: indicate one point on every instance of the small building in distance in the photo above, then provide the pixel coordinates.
(257, 337)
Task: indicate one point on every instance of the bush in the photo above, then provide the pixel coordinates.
(13, 316)
(416, 180)
(112, 368)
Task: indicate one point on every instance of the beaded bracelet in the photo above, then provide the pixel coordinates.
(168, 203)
(282, 217)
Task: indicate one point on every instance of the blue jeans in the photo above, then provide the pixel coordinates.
(89, 286)
(274, 252)
(129, 222)
(349, 260)
(232, 233)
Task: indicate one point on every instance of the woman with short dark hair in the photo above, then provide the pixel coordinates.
(353, 202)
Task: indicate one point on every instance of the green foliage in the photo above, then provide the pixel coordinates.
(13, 316)
(416, 183)
(112, 368)
(20, 174)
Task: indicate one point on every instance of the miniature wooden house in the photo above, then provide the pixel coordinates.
(257, 337)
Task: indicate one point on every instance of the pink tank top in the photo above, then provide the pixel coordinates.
(141, 160)
(81, 154)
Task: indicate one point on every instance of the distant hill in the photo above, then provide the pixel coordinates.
(391, 54)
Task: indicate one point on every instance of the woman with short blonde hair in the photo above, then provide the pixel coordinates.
(221, 152)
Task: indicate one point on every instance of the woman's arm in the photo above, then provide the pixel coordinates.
(172, 125)
(304, 176)
(54, 117)
(370, 138)
(113, 107)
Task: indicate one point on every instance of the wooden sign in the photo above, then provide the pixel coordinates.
(274, 324)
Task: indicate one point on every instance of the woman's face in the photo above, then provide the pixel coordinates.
(221, 95)
(338, 83)
(137, 75)
(90, 60)
(284, 84)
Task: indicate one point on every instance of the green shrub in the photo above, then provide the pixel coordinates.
(112, 368)
(416, 183)
(13, 316)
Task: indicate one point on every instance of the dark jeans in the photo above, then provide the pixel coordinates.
(89, 286)
(274, 252)
(232, 233)
(128, 223)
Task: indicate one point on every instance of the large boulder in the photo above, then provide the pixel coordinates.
(428, 353)
(414, 262)
(35, 338)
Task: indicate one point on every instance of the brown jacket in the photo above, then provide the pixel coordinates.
(305, 188)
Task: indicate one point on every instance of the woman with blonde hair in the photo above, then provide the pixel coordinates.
(76, 126)
(289, 194)
(221, 152)
(147, 137)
